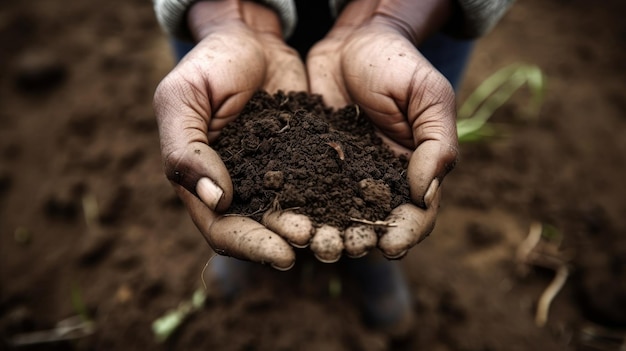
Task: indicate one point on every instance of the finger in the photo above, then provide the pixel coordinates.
(297, 229)
(359, 239)
(183, 133)
(238, 236)
(242, 237)
(434, 133)
(327, 244)
(200, 170)
(409, 225)
(428, 165)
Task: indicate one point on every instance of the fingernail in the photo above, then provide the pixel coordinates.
(279, 268)
(430, 192)
(396, 256)
(209, 192)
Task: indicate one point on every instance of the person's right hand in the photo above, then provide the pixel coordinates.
(240, 50)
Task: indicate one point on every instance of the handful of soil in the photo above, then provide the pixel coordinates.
(291, 151)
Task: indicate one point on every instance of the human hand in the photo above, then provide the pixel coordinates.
(370, 59)
(240, 50)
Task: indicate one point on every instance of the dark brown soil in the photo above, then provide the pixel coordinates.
(289, 150)
(77, 130)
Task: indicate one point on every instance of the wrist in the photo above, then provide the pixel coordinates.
(416, 20)
(262, 18)
(205, 17)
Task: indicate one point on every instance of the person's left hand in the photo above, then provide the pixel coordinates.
(370, 59)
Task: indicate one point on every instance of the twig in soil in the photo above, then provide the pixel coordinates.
(541, 316)
(282, 103)
(374, 223)
(528, 254)
(358, 110)
(337, 148)
(90, 210)
(68, 329)
(274, 205)
(283, 128)
(602, 338)
(528, 245)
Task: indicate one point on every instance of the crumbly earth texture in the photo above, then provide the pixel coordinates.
(291, 152)
(89, 224)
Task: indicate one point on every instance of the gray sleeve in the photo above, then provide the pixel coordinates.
(286, 10)
(473, 18)
(171, 15)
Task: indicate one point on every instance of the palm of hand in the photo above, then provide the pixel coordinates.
(225, 69)
(382, 72)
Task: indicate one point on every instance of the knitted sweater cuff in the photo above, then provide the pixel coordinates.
(474, 18)
(471, 18)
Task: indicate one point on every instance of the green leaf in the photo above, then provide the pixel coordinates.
(492, 94)
(78, 303)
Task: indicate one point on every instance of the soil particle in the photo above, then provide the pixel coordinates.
(273, 180)
(376, 192)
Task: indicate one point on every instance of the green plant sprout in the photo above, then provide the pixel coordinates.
(78, 303)
(167, 324)
(71, 328)
(494, 92)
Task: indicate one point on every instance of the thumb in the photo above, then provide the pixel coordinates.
(187, 158)
(434, 133)
(200, 170)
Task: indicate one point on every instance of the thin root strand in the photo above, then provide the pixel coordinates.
(374, 223)
(337, 148)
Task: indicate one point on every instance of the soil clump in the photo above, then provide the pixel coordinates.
(291, 151)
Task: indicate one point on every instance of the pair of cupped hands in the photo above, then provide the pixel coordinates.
(369, 58)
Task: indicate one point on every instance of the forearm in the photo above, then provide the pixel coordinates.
(205, 17)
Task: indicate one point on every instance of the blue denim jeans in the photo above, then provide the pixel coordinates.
(448, 55)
